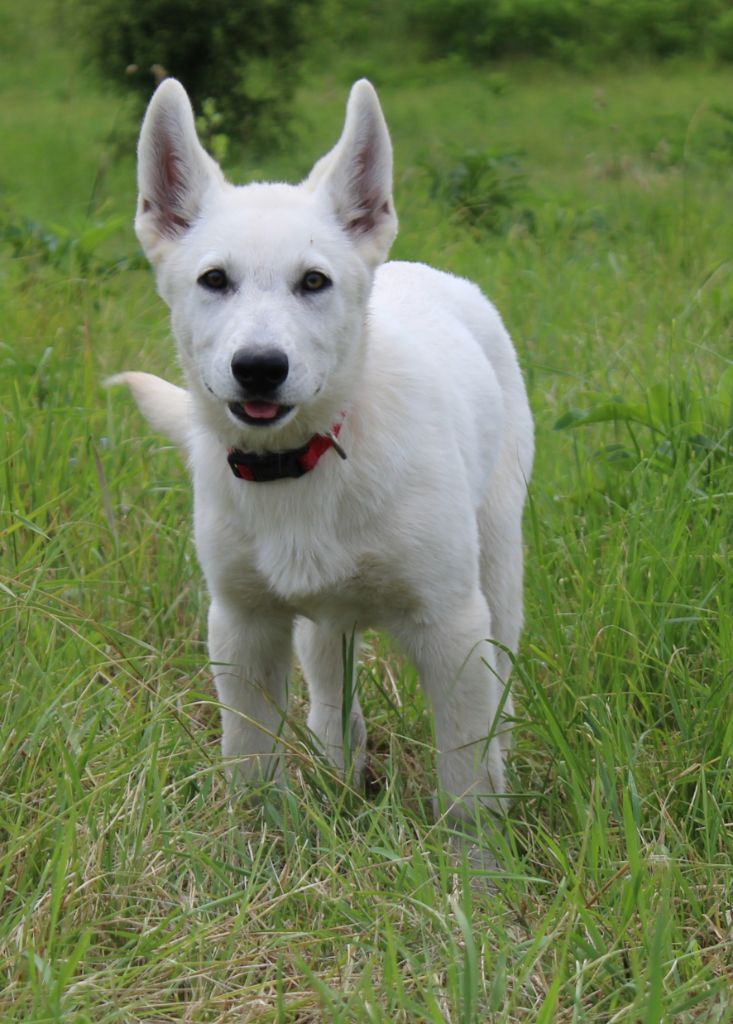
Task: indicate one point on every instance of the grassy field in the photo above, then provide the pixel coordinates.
(596, 212)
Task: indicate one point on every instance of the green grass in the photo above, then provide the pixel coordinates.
(133, 886)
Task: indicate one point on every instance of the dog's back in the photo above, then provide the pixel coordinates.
(461, 386)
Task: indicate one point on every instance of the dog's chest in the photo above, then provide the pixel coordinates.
(373, 595)
(322, 573)
(325, 579)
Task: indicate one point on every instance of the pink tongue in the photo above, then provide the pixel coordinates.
(261, 410)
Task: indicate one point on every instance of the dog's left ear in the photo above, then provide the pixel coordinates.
(356, 176)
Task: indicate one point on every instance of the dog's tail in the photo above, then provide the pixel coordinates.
(165, 406)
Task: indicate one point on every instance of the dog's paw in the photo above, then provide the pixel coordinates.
(248, 773)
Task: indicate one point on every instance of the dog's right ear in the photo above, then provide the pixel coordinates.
(174, 170)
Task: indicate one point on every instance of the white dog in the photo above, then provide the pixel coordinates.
(359, 438)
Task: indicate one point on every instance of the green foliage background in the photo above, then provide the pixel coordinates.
(577, 31)
(244, 57)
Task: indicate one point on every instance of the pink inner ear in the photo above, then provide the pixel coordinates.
(369, 218)
(170, 165)
(369, 202)
(170, 192)
(360, 225)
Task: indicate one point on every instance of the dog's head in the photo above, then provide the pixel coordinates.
(268, 284)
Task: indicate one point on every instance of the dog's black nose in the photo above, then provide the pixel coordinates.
(261, 371)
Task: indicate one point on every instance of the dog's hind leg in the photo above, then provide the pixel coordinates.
(457, 665)
(501, 567)
(250, 659)
(328, 660)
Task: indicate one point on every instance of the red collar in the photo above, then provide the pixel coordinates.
(267, 466)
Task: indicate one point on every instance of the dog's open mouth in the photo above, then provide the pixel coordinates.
(259, 413)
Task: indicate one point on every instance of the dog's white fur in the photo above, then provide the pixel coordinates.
(418, 532)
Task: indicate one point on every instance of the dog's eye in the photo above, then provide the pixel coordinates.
(215, 280)
(314, 281)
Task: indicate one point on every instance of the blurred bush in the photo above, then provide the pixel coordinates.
(485, 190)
(577, 31)
(242, 60)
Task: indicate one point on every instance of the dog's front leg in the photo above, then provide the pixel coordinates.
(335, 716)
(250, 659)
(456, 662)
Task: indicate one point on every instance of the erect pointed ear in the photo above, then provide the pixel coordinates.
(356, 176)
(174, 171)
